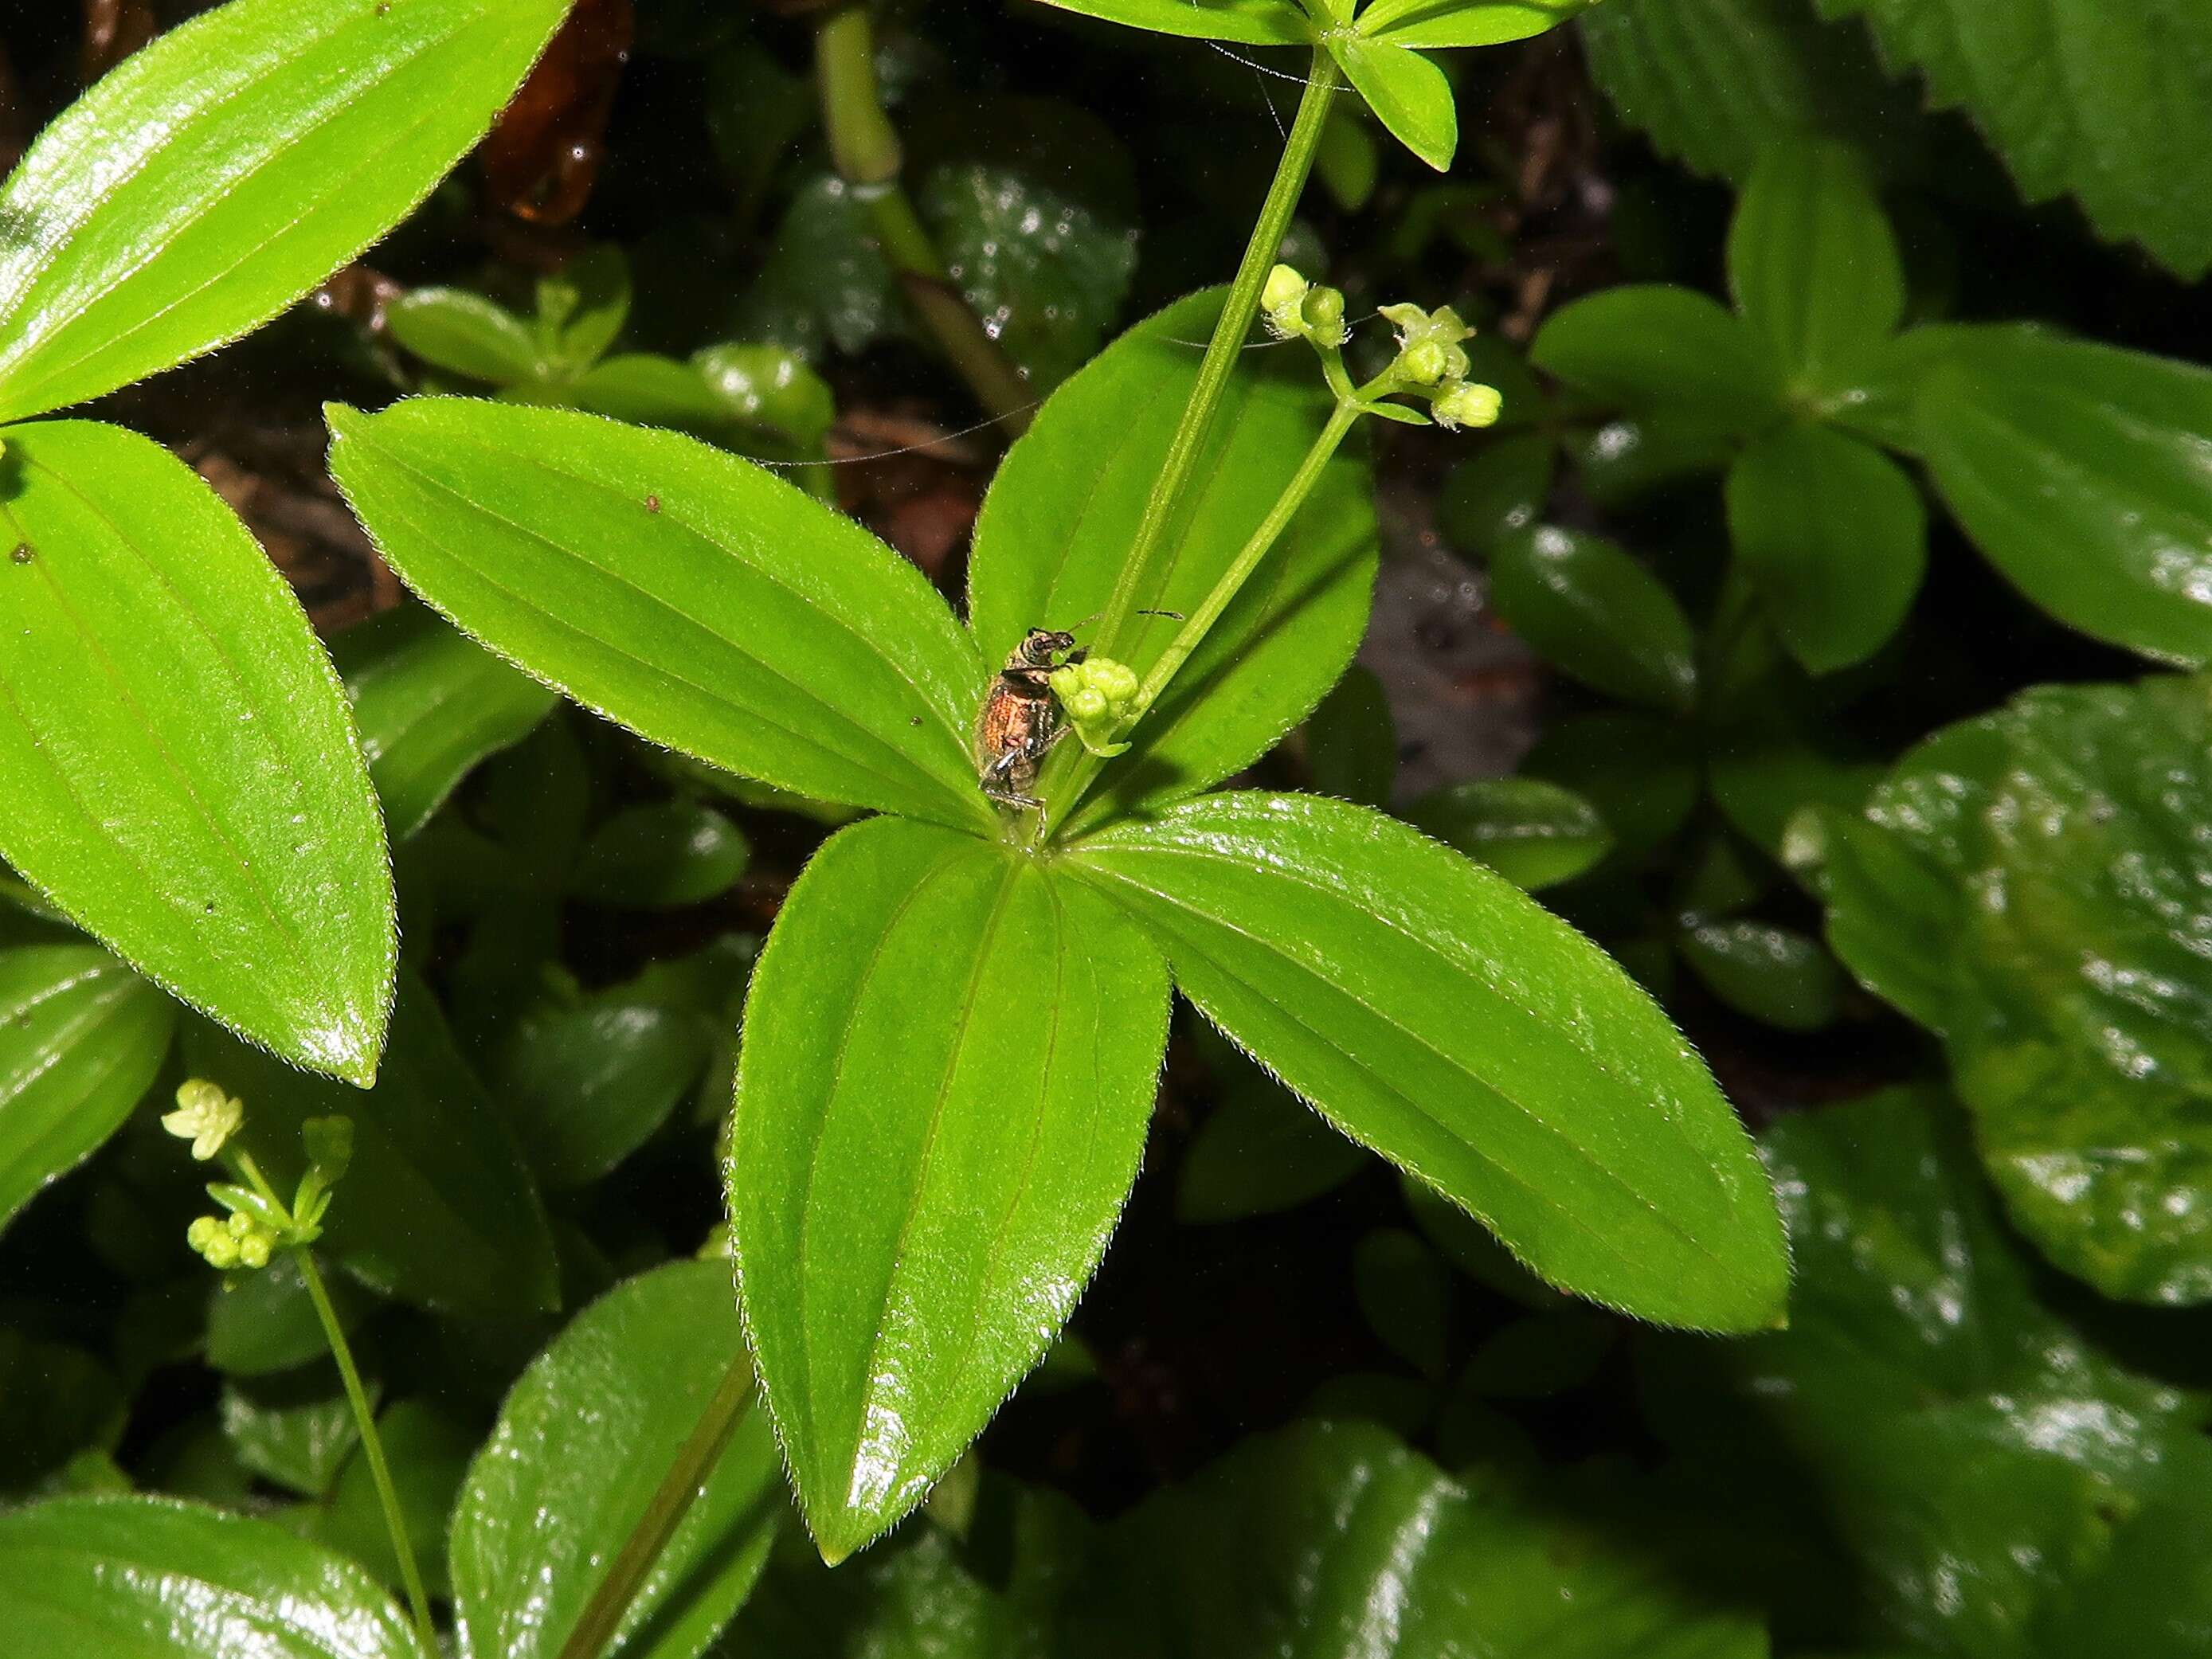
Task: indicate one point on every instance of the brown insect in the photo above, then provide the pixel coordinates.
(1021, 720)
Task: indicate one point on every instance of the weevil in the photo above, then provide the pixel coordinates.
(1021, 718)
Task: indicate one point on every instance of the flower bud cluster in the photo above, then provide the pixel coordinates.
(1431, 361)
(1297, 308)
(258, 1224)
(1099, 696)
(240, 1242)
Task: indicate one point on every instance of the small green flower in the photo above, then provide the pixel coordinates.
(1428, 349)
(1100, 697)
(1295, 309)
(1468, 403)
(205, 1116)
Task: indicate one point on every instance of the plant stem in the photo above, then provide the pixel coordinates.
(865, 149)
(364, 1416)
(695, 1459)
(1068, 776)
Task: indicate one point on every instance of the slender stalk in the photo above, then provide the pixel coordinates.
(1068, 774)
(865, 149)
(695, 1461)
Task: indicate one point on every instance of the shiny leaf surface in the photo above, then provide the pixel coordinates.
(149, 1578)
(430, 704)
(80, 1038)
(1064, 507)
(688, 594)
(554, 1493)
(1535, 834)
(1408, 93)
(586, 1086)
(661, 856)
(949, 1061)
(1433, 1012)
(1257, 22)
(177, 768)
(229, 167)
(1592, 611)
(1775, 974)
(1431, 23)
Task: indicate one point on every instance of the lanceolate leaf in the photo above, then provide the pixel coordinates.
(430, 704)
(80, 1037)
(148, 1578)
(692, 596)
(177, 769)
(949, 1062)
(1408, 93)
(1257, 22)
(229, 167)
(1430, 23)
(1433, 1012)
(556, 1490)
(438, 1207)
(1593, 612)
(1056, 528)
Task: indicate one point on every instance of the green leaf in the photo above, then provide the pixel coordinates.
(1408, 93)
(438, 1207)
(1064, 507)
(1640, 772)
(1719, 84)
(262, 1323)
(767, 388)
(1759, 787)
(1650, 346)
(1592, 611)
(2075, 468)
(1834, 537)
(1535, 834)
(149, 1578)
(688, 594)
(427, 1452)
(56, 1401)
(2027, 884)
(1432, 1012)
(1261, 1150)
(1256, 22)
(949, 1062)
(1404, 1294)
(227, 168)
(1540, 1355)
(2079, 98)
(1776, 974)
(177, 770)
(1503, 488)
(584, 1088)
(298, 1437)
(80, 1038)
(1352, 743)
(1814, 265)
(1328, 1540)
(1936, 1413)
(465, 334)
(429, 704)
(582, 307)
(662, 856)
(556, 1492)
(1431, 23)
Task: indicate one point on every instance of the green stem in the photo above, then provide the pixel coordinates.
(695, 1459)
(364, 1415)
(865, 149)
(1067, 775)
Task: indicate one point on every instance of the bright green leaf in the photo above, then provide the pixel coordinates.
(1834, 537)
(438, 1207)
(1064, 507)
(686, 593)
(1433, 1012)
(80, 1038)
(227, 168)
(556, 1492)
(1408, 93)
(152, 1578)
(661, 856)
(1815, 264)
(430, 704)
(177, 769)
(1651, 347)
(1256, 22)
(1431, 23)
(1592, 611)
(949, 1062)
(464, 333)
(1535, 834)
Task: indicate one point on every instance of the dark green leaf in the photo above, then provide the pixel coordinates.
(1064, 507)
(826, 281)
(1473, 1248)
(1760, 786)
(1625, 460)
(965, 1122)
(2079, 98)
(264, 1322)
(427, 1452)
(1405, 1292)
(684, 593)
(1592, 611)
(1542, 1355)
(2075, 467)
(1814, 265)
(581, 307)
(177, 770)
(662, 856)
(1258, 22)
(438, 1207)
(1641, 773)
(1261, 1150)
(1654, 347)
(2030, 884)
(1407, 93)
(151, 1578)
(1432, 1012)
(80, 1038)
(56, 1400)
(1834, 537)
(556, 1490)
(1352, 743)
(429, 704)
(1504, 489)
(584, 1087)
(1773, 973)
(1535, 834)
(225, 169)
(465, 334)
(298, 1437)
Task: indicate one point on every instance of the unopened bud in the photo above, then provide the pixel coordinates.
(1468, 403)
(1321, 316)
